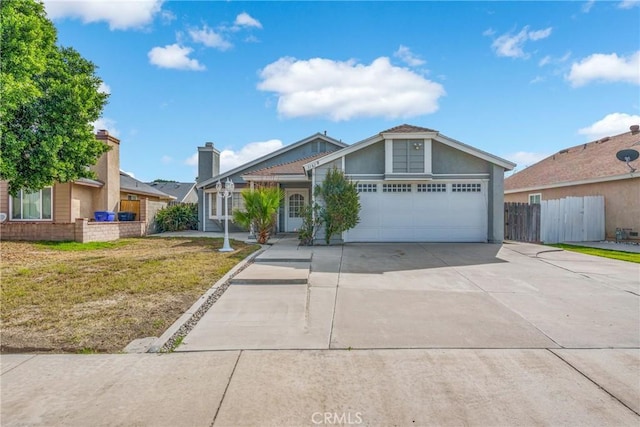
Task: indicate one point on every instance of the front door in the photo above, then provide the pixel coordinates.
(295, 199)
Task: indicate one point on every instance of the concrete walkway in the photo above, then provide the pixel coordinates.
(398, 334)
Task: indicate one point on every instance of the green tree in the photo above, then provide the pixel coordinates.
(260, 210)
(179, 217)
(50, 98)
(340, 208)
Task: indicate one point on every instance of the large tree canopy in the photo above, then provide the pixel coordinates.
(50, 98)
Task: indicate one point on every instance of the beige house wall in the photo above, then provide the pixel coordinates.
(82, 201)
(621, 201)
(62, 203)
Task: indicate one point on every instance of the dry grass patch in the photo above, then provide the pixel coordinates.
(71, 297)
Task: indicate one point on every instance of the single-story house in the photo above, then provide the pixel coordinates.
(65, 211)
(184, 192)
(415, 184)
(590, 169)
(211, 207)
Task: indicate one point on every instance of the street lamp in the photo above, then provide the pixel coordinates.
(226, 195)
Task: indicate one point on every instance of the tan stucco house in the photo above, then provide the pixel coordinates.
(590, 169)
(65, 211)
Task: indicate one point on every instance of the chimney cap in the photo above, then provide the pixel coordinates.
(634, 129)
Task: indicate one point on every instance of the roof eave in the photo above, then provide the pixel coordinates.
(270, 156)
(572, 183)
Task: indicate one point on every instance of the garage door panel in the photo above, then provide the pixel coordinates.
(421, 217)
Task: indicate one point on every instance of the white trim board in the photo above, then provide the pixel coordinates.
(572, 183)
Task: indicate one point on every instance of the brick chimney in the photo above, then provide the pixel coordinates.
(108, 171)
(634, 129)
(208, 162)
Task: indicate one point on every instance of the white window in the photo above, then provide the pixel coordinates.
(296, 203)
(217, 205)
(396, 188)
(367, 188)
(466, 188)
(132, 197)
(37, 206)
(432, 188)
(535, 198)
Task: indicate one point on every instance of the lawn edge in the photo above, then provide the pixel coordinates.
(169, 333)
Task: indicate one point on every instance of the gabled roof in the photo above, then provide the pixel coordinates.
(414, 131)
(591, 162)
(131, 185)
(291, 168)
(179, 190)
(282, 150)
(405, 128)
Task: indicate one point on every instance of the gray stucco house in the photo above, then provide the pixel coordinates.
(415, 185)
(282, 167)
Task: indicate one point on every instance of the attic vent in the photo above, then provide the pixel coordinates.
(566, 150)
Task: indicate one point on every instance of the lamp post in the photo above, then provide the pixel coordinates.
(226, 195)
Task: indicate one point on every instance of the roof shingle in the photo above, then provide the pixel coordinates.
(405, 128)
(596, 159)
(290, 168)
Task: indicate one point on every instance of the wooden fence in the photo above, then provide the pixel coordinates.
(522, 222)
(131, 206)
(572, 219)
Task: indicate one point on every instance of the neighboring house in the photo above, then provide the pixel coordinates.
(297, 187)
(65, 211)
(132, 189)
(415, 184)
(184, 192)
(590, 169)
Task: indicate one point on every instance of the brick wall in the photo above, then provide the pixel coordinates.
(37, 231)
(82, 231)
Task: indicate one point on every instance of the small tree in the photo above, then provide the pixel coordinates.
(340, 210)
(311, 222)
(260, 210)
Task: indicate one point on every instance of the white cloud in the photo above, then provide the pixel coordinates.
(166, 159)
(246, 20)
(210, 38)
(628, 4)
(174, 56)
(611, 124)
(340, 90)
(230, 159)
(106, 124)
(586, 6)
(167, 17)
(540, 34)
(119, 14)
(511, 45)
(408, 57)
(525, 158)
(551, 60)
(544, 61)
(489, 32)
(192, 160)
(537, 79)
(104, 88)
(605, 68)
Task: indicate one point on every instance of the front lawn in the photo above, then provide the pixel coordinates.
(606, 253)
(73, 297)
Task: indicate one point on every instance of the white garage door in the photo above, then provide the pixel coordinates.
(424, 212)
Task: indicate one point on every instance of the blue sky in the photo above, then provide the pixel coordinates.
(521, 80)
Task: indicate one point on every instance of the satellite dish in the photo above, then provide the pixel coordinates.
(3, 217)
(627, 156)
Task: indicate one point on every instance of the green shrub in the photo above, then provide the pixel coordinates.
(178, 217)
(260, 210)
(340, 207)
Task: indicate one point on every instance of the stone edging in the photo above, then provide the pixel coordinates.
(185, 323)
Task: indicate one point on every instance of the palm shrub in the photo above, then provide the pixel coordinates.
(177, 217)
(340, 208)
(260, 210)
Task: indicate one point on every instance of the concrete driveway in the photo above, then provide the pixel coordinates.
(393, 334)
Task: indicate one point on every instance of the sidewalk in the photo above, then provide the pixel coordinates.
(253, 382)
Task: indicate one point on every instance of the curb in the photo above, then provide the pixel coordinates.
(186, 316)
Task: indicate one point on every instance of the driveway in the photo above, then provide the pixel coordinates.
(394, 334)
(379, 296)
